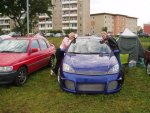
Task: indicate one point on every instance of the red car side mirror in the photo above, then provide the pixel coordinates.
(33, 50)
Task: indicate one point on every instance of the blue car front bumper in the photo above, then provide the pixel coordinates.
(91, 83)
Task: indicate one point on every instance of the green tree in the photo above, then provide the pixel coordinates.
(67, 31)
(104, 29)
(1, 32)
(16, 9)
(140, 31)
(56, 31)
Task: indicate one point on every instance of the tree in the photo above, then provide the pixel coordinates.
(104, 29)
(16, 10)
(67, 31)
(1, 32)
(56, 31)
(140, 31)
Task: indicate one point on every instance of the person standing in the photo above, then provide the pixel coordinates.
(112, 43)
(60, 51)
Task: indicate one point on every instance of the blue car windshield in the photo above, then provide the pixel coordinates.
(89, 46)
(13, 45)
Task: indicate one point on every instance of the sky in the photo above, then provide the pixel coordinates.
(134, 8)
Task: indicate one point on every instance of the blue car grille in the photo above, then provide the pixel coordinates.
(91, 72)
(91, 87)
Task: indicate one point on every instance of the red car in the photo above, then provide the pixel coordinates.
(21, 56)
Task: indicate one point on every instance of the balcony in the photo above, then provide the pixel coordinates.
(45, 28)
(69, 15)
(71, 21)
(5, 29)
(67, 27)
(69, 8)
(69, 1)
(43, 16)
(4, 23)
(45, 22)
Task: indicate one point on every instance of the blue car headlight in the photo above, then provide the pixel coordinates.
(114, 69)
(6, 68)
(68, 68)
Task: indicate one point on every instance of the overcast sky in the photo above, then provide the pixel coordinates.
(134, 8)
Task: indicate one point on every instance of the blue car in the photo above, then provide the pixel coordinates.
(90, 66)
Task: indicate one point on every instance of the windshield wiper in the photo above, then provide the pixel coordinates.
(6, 51)
(10, 52)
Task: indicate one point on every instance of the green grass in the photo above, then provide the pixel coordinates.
(145, 42)
(41, 94)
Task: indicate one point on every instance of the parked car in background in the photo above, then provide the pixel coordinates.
(146, 35)
(58, 35)
(49, 34)
(40, 33)
(147, 60)
(90, 67)
(21, 56)
(2, 37)
(14, 34)
(9, 35)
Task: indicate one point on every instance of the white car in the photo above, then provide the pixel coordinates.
(2, 37)
(11, 34)
(49, 34)
(58, 35)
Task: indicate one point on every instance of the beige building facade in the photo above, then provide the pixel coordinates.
(57, 14)
(68, 14)
(6, 24)
(114, 23)
(76, 16)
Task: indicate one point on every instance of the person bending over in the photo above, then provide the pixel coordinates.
(112, 43)
(60, 51)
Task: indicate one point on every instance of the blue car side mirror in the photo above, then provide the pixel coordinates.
(116, 51)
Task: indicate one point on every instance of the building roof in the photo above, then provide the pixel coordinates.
(147, 23)
(96, 14)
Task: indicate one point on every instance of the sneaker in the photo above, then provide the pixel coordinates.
(53, 72)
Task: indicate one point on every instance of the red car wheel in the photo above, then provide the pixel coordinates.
(21, 76)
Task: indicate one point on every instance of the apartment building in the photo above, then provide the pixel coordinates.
(45, 23)
(147, 28)
(76, 16)
(100, 21)
(6, 24)
(131, 23)
(57, 14)
(68, 14)
(114, 23)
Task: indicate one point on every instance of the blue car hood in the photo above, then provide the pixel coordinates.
(90, 62)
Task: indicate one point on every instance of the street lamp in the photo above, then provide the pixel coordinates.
(28, 18)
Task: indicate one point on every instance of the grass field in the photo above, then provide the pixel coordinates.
(41, 94)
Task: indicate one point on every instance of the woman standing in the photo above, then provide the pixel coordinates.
(60, 51)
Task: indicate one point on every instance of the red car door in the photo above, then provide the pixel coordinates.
(35, 57)
(45, 52)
